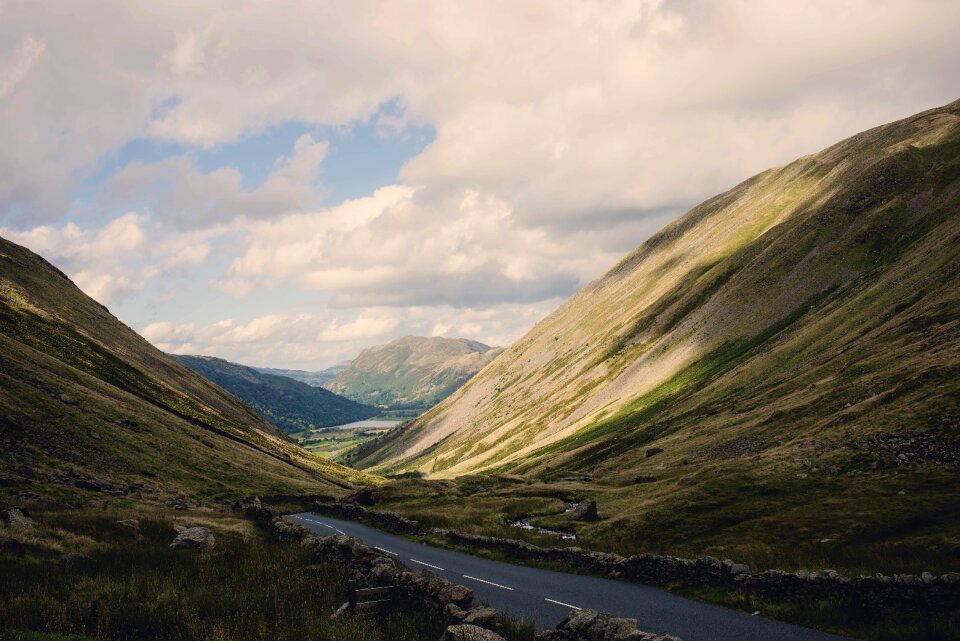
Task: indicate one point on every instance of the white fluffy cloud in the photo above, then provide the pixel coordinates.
(311, 340)
(566, 133)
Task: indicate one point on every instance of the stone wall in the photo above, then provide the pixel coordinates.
(386, 520)
(907, 591)
(369, 567)
(902, 590)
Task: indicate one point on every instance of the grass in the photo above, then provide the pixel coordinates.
(244, 588)
(845, 619)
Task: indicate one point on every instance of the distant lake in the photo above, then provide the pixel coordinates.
(367, 424)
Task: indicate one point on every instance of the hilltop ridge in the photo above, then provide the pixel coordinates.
(412, 372)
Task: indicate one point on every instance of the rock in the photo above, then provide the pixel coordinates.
(831, 470)
(130, 524)
(178, 504)
(95, 485)
(484, 617)
(467, 632)
(98, 503)
(455, 612)
(644, 479)
(458, 594)
(193, 538)
(739, 568)
(66, 398)
(590, 625)
(127, 423)
(653, 451)
(18, 520)
(585, 511)
(887, 459)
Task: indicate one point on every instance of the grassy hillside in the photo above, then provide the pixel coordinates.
(775, 375)
(412, 372)
(289, 404)
(88, 408)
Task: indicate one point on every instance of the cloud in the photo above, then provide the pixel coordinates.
(183, 196)
(397, 250)
(566, 133)
(315, 341)
(16, 68)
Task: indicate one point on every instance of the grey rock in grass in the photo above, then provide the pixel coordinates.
(590, 624)
(193, 538)
(133, 525)
(586, 511)
(19, 521)
(467, 632)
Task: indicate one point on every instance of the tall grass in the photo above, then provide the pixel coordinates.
(140, 589)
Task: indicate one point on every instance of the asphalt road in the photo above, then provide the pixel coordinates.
(548, 596)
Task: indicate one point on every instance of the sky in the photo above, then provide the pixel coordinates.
(284, 183)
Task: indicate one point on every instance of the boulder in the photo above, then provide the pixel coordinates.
(483, 617)
(133, 525)
(590, 625)
(453, 593)
(467, 632)
(653, 451)
(179, 503)
(585, 511)
(19, 521)
(193, 538)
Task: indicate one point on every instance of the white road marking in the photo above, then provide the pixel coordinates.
(566, 605)
(387, 551)
(339, 530)
(473, 578)
(435, 567)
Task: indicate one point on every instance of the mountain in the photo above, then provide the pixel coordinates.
(289, 404)
(781, 362)
(88, 406)
(413, 372)
(314, 379)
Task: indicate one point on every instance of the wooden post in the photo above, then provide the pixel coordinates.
(352, 595)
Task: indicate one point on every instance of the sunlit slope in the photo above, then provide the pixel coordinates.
(83, 394)
(815, 303)
(414, 372)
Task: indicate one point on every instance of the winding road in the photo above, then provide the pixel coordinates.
(548, 596)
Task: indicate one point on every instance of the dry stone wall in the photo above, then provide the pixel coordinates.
(926, 590)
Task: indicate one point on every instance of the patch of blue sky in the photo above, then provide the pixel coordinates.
(363, 156)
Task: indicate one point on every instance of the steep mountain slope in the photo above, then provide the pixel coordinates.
(779, 365)
(314, 379)
(290, 405)
(412, 372)
(87, 405)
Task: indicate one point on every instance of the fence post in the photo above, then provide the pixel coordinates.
(352, 595)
